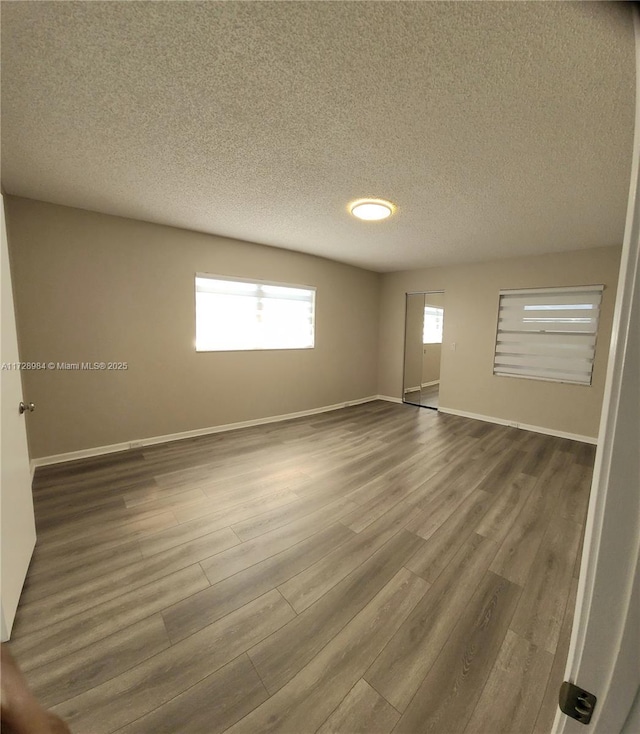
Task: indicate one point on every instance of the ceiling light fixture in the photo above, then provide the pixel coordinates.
(372, 210)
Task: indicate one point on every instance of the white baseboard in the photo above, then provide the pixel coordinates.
(523, 426)
(389, 399)
(126, 445)
(429, 384)
(413, 389)
(138, 443)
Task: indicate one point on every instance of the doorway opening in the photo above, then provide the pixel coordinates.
(424, 324)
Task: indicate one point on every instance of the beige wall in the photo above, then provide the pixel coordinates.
(91, 287)
(467, 382)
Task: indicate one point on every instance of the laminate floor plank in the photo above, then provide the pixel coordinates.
(449, 488)
(181, 460)
(585, 454)
(73, 674)
(367, 514)
(540, 612)
(271, 578)
(301, 455)
(362, 711)
(304, 703)
(517, 552)
(128, 696)
(72, 511)
(436, 510)
(574, 498)
(209, 605)
(169, 500)
(151, 492)
(340, 483)
(448, 695)
(285, 653)
(106, 586)
(451, 475)
(52, 504)
(46, 578)
(279, 480)
(377, 494)
(278, 516)
(481, 428)
(229, 500)
(211, 706)
(504, 471)
(73, 633)
(409, 472)
(123, 463)
(309, 585)
(208, 522)
(403, 664)
(507, 505)
(442, 546)
(201, 474)
(253, 551)
(549, 704)
(95, 539)
(112, 522)
(90, 488)
(518, 681)
(540, 453)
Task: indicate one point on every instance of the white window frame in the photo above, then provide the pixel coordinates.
(258, 284)
(552, 346)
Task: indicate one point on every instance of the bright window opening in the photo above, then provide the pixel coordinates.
(236, 315)
(432, 325)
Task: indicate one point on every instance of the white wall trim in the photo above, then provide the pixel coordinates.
(389, 399)
(416, 388)
(138, 443)
(127, 445)
(523, 426)
(429, 384)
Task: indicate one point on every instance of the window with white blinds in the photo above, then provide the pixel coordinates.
(548, 334)
(243, 315)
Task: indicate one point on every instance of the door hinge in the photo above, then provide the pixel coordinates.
(576, 702)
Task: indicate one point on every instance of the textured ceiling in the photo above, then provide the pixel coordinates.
(499, 129)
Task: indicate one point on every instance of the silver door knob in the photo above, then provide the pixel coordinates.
(24, 407)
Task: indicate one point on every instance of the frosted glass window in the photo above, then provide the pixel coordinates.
(235, 315)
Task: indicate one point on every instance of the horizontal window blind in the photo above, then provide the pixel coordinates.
(548, 334)
(242, 315)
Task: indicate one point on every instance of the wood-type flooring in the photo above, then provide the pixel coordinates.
(379, 568)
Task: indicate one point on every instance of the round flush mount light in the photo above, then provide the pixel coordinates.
(372, 210)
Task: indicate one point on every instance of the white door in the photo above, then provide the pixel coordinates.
(604, 656)
(17, 525)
